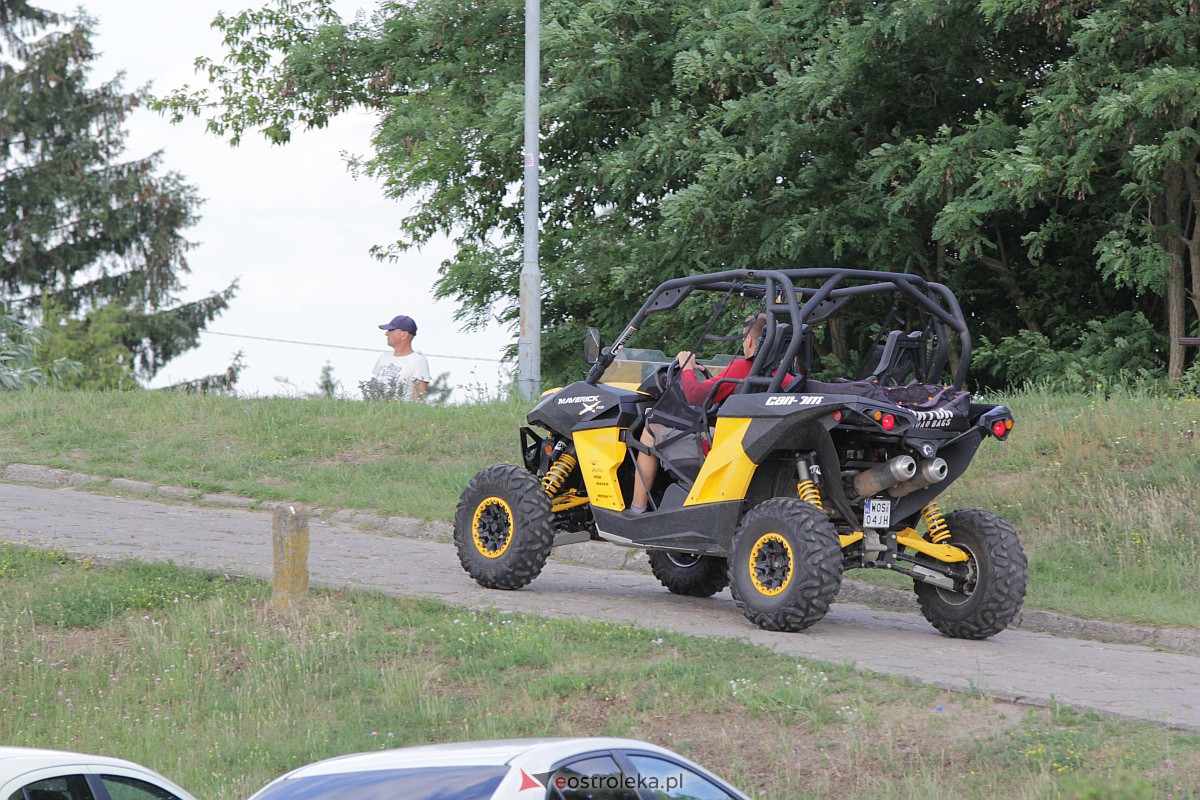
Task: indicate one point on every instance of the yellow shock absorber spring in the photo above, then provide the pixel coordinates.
(558, 473)
(807, 487)
(809, 493)
(935, 523)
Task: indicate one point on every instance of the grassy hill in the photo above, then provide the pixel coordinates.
(1103, 490)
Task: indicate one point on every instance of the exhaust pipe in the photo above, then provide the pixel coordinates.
(929, 473)
(884, 476)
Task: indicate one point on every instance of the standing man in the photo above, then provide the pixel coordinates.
(406, 367)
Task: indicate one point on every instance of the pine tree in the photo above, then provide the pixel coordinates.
(85, 236)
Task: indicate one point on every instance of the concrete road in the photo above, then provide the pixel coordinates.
(1130, 681)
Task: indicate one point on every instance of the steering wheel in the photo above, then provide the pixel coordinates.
(670, 373)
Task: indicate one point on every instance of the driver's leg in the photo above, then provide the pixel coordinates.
(645, 470)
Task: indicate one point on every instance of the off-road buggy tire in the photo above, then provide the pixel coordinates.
(689, 574)
(503, 527)
(785, 566)
(1000, 577)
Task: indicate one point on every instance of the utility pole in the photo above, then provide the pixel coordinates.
(529, 341)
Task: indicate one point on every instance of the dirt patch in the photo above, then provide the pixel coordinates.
(273, 480)
(68, 644)
(355, 456)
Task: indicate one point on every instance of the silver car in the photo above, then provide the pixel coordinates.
(510, 769)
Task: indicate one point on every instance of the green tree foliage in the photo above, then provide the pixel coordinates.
(1038, 158)
(22, 356)
(1104, 354)
(1109, 148)
(221, 383)
(97, 340)
(90, 245)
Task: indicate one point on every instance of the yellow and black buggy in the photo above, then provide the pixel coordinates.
(787, 482)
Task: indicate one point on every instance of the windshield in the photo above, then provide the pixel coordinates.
(427, 783)
(634, 365)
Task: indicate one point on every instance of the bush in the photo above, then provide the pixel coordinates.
(1108, 353)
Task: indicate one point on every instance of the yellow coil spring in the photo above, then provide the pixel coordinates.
(935, 523)
(809, 493)
(558, 473)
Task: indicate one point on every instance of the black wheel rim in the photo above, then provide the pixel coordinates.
(771, 564)
(492, 527)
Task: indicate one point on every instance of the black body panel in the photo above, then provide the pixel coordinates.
(583, 406)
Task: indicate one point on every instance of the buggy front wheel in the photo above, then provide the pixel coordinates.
(994, 586)
(503, 527)
(785, 567)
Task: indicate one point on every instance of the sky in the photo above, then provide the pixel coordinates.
(289, 223)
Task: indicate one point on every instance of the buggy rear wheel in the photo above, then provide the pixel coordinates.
(997, 574)
(688, 573)
(785, 568)
(503, 527)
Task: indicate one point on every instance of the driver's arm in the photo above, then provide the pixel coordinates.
(694, 390)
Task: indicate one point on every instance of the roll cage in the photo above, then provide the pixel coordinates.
(795, 300)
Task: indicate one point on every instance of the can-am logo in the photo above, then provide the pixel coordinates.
(791, 400)
(590, 402)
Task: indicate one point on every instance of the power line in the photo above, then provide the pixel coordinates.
(338, 346)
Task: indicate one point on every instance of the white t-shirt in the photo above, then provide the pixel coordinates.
(403, 369)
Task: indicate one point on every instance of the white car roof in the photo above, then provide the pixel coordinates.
(33, 757)
(39, 755)
(18, 761)
(530, 754)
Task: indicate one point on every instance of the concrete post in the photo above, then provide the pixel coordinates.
(529, 335)
(289, 525)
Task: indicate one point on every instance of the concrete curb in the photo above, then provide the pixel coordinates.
(593, 554)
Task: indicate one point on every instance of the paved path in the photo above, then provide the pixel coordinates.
(1126, 680)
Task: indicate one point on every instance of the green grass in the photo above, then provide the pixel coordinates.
(197, 677)
(394, 458)
(1102, 490)
(1104, 493)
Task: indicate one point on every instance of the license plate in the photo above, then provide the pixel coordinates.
(877, 513)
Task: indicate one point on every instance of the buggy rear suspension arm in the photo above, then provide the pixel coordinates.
(942, 575)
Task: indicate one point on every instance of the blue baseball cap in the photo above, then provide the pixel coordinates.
(400, 323)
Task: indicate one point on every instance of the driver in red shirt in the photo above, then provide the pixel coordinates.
(695, 391)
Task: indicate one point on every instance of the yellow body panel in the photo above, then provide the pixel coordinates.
(727, 470)
(600, 453)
